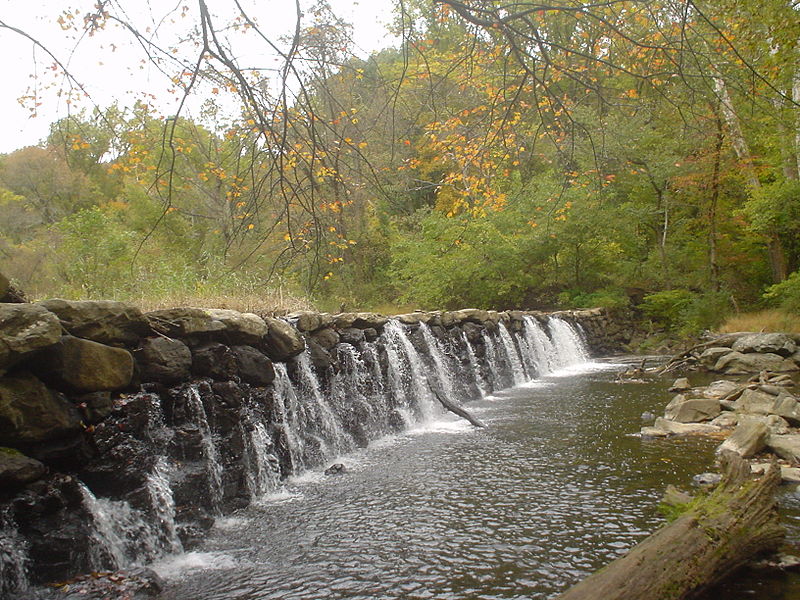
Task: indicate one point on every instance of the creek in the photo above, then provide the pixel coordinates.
(554, 488)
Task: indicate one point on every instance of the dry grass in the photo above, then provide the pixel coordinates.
(768, 321)
(274, 304)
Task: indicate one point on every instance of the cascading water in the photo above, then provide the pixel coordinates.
(544, 354)
(571, 349)
(407, 375)
(357, 392)
(213, 467)
(13, 559)
(497, 370)
(108, 547)
(475, 368)
(512, 355)
(262, 468)
(443, 364)
(365, 390)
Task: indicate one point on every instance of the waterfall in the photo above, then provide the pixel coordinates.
(213, 467)
(357, 391)
(512, 354)
(443, 364)
(108, 546)
(262, 468)
(408, 375)
(332, 436)
(13, 558)
(290, 414)
(542, 348)
(475, 368)
(496, 368)
(571, 349)
(163, 530)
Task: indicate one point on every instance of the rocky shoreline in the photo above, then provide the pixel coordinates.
(754, 408)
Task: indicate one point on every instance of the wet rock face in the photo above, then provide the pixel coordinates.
(53, 518)
(25, 328)
(214, 360)
(254, 368)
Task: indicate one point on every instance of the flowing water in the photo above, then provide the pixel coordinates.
(552, 489)
(556, 486)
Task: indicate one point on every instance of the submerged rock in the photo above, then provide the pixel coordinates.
(336, 469)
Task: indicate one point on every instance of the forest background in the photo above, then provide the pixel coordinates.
(502, 155)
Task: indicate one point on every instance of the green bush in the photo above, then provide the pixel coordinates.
(686, 312)
(605, 298)
(786, 294)
(665, 308)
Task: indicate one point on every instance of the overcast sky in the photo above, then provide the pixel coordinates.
(110, 67)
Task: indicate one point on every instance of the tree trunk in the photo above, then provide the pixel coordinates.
(454, 408)
(715, 536)
(777, 256)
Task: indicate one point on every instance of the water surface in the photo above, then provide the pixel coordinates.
(555, 487)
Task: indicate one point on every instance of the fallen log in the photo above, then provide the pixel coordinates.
(714, 535)
(455, 408)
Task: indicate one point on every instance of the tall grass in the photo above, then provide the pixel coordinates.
(768, 321)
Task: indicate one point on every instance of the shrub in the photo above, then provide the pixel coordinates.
(786, 294)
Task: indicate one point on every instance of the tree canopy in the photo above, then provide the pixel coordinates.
(503, 154)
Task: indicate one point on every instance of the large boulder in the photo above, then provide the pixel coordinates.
(692, 410)
(763, 343)
(327, 337)
(163, 360)
(720, 388)
(227, 326)
(785, 446)
(25, 328)
(214, 360)
(101, 321)
(254, 368)
(755, 402)
(310, 321)
(283, 341)
(711, 356)
(86, 366)
(737, 363)
(361, 320)
(31, 414)
(17, 470)
(747, 440)
(471, 315)
(664, 427)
